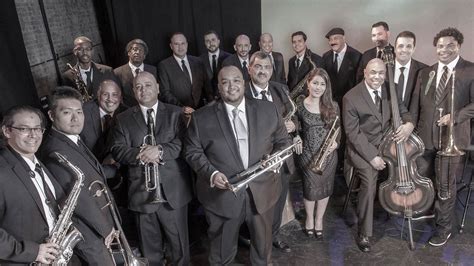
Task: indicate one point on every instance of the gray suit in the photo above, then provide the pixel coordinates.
(278, 74)
(125, 77)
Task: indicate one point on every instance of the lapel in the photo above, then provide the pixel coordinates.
(368, 99)
(94, 117)
(179, 70)
(160, 117)
(385, 104)
(97, 75)
(128, 76)
(139, 119)
(227, 132)
(411, 80)
(250, 108)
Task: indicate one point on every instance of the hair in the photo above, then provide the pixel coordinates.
(212, 32)
(407, 34)
(327, 105)
(10, 113)
(136, 41)
(260, 55)
(449, 32)
(381, 23)
(82, 39)
(299, 33)
(63, 92)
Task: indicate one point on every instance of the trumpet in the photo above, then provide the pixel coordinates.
(319, 160)
(119, 244)
(274, 160)
(151, 170)
(80, 84)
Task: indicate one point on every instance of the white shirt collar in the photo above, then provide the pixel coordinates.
(185, 58)
(133, 67)
(215, 53)
(73, 138)
(258, 90)
(342, 52)
(371, 91)
(230, 107)
(242, 61)
(143, 109)
(450, 66)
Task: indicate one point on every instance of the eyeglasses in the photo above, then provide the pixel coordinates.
(29, 130)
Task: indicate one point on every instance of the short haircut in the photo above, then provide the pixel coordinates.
(10, 113)
(381, 23)
(299, 33)
(406, 34)
(81, 39)
(63, 92)
(260, 55)
(136, 41)
(449, 32)
(212, 32)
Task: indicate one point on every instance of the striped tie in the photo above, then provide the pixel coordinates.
(441, 84)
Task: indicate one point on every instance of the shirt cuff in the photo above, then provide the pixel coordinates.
(211, 179)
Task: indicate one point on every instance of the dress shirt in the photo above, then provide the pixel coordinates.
(242, 63)
(84, 75)
(371, 93)
(257, 93)
(133, 67)
(440, 70)
(209, 55)
(144, 109)
(186, 62)
(340, 56)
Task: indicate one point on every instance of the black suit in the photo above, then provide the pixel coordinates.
(212, 77)
(233, 60)
(125, 77)
(210, 146)
(412, 74)
(99, 74)
(366, 57)
(175, 86)
(296, 75)
(127, 136)
(423, 108)
(23, 225)
(94, 223)
(278, 74)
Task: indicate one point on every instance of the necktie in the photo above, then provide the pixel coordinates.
(107, 122)
(185, 69)
(245, 71)
(298, 63)
(50, 200)
(264, 95)
(241, 136)
(378, 101)
(401, 84)
(442, 84)
(379, 54)
(150, 121)
(89, 82)
(214, 64)
(335, 61)
(137, 70)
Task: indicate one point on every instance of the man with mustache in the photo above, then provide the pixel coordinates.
(266, 45)
(241, 57)
(91, 73)
(137, 51)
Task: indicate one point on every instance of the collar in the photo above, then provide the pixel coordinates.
(398, 65)
(342, 52)
(73, 138)
(450, 66)
(215, 53)
(242, 61)
(103, 113)
(31, 164)
(143, 109)
(230, 107)
(379, 89)
(259, 90)
(133, 67)
(185, 58)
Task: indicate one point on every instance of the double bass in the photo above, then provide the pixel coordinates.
(405, 193)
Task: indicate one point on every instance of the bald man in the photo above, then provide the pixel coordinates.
(266, 46)
(241, 57)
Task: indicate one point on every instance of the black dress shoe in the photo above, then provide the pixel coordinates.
(363, 243)
(282, 246)
(244, 242)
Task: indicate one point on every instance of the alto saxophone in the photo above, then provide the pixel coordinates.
(64, 233)
(319, 160)
(80, 84)
(292, 111)
(299, 88)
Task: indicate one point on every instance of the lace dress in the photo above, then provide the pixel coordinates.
(313, 133)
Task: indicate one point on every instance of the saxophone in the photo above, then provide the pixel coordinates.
(299, 88)
(63, 233)
(80, 84)
(292, 111)
(319, 159)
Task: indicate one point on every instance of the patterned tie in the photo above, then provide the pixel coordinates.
(50, 200)
(242, 137)
(401, 83)
(185, 69)
(150, 121)
(264, 95)
(378, 101)
(89, 82)
(442, 84)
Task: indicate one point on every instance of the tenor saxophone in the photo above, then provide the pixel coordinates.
(64, 233)
(299, 88)
(80, 84)
(319, 160)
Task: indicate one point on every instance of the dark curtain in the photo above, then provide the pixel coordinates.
(16, 81)
(155, 20)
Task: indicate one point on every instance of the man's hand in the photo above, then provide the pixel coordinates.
(150, 154)
(444, 120)
(403, 132)
(298, 147)
(112, 235)
(290, 126)
(188, 110)
(47, 253)
(377, 163)
(220, 181)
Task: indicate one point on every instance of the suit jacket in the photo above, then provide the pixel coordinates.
(233, 60)
(296, 75)
(23, 225)
(424, 108)
(125, 76)
(210, 146)
(366, 57)
(93, 222)
(344, 79)
(212, 77)
(364, 125)
(415, 68)
(176, 88)
(99, 74)
(279, 93)
(279, 68)
(127, 137)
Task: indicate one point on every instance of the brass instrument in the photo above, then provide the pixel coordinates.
(449, 154)
(80, 84)
(292, 111)
(151, 170)
(64, 233)
(319, 159)
(119, 244)
(299, 88)
(273, 162)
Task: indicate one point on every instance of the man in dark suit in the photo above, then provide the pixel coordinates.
(175, 181)
(182, 77)
(241, 57)
(299, 65)
(432, 91)
(92, 74)
(266, 45)
(223, 140)
(26, 218)
(406, 68)
(136, 50)
(94, 222)
(260, 87)
(380, 37)
(213, 59)
(366, 116)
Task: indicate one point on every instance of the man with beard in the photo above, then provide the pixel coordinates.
(276, 58)
(213, 59)
(136, 50)
(240, 59)
(380, 37)
(92, 74)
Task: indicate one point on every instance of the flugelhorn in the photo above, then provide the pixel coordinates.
(319, 160)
